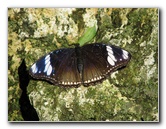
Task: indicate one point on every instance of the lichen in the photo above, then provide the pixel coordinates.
(129, 95)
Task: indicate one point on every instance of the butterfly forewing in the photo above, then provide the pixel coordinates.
(120, 56)
(100, 60)
(58, 67)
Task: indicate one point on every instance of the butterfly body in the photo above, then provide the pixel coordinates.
(85, 65)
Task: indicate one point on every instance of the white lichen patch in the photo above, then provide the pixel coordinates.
(28, 46)
(113, 76)
(16, 10)
(53, 20)
(68, 98)
(119, 95)
(42, 29)
(151, 72)
(150, 60)
(149, 65)
(34, 97)
(81, 91)
(62, 15)
(143, 44)
(16, 63)
(23, 35)
(90, 17)
(123, 15)
(155, 115)
(127, 40)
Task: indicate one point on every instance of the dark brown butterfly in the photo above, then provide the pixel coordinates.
(85, 65)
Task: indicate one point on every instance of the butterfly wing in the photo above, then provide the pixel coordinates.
(58, 67)
(99, 60)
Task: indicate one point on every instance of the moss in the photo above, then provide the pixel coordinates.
(130, 94)
(78, 18)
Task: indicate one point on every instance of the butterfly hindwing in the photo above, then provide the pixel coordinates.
(67, 73)
(95, 65)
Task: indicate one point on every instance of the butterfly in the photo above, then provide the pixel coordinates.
(86, 65)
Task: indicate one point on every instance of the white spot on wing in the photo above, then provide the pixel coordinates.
(109, 49)
(49, 70)
(110, 61)
(34, 68)
(125, 54)
(112, 57)
(48, 67)
(47, 59)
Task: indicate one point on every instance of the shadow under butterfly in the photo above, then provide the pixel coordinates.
(86, 65)
(28, 112)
